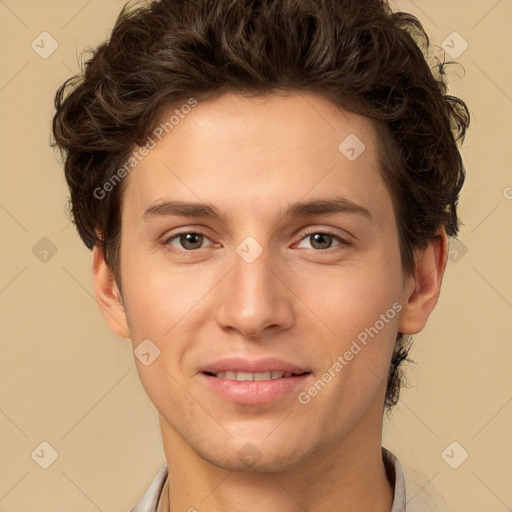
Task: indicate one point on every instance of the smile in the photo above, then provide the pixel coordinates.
(247, 376)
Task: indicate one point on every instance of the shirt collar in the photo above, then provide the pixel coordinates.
(396, 476)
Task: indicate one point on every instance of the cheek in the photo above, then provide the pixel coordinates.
(358, 309)
(158, 295)
(351, 297)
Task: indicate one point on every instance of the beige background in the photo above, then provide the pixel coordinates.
(66, 380)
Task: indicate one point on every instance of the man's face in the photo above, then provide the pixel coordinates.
(258, 283)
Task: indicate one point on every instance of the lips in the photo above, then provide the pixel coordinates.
(254, 392)
(248, 376)
(236, 368)
(253, 382)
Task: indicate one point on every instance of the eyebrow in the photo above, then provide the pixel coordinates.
(300, 209)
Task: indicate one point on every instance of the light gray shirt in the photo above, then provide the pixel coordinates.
(151, 501)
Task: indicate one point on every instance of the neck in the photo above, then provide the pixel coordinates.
(347, 475)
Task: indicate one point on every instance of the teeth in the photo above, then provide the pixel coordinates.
(244, 376)
(262, 376)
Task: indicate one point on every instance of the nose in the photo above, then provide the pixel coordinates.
(255, 298)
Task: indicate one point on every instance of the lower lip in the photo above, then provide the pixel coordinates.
(253, 392)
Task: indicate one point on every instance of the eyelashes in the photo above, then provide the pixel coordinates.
(182, 236)
(342, 241)
(197, 238)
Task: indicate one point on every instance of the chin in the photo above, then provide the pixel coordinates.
(251, 460)
(255, 453)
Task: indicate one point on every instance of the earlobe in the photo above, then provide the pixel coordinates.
(421, 296)
(108, 294)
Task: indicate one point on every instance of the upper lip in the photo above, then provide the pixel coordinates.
(237, 364)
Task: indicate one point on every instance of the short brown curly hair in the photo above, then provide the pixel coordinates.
(357, 53)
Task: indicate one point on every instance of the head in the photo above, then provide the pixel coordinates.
(244, 106)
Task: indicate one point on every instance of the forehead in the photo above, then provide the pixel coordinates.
(270, 146)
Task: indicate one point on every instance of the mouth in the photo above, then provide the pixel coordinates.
(254, 381)
(260, 388)
(259, 376)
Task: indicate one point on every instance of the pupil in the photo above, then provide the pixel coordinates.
(188, 242)
(319, 238)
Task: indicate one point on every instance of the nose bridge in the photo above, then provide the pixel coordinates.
(254, 298)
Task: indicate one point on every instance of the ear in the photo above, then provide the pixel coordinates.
(424, 287)
(108, 294)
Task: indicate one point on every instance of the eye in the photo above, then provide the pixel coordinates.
(321, 240)
(188, 241)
